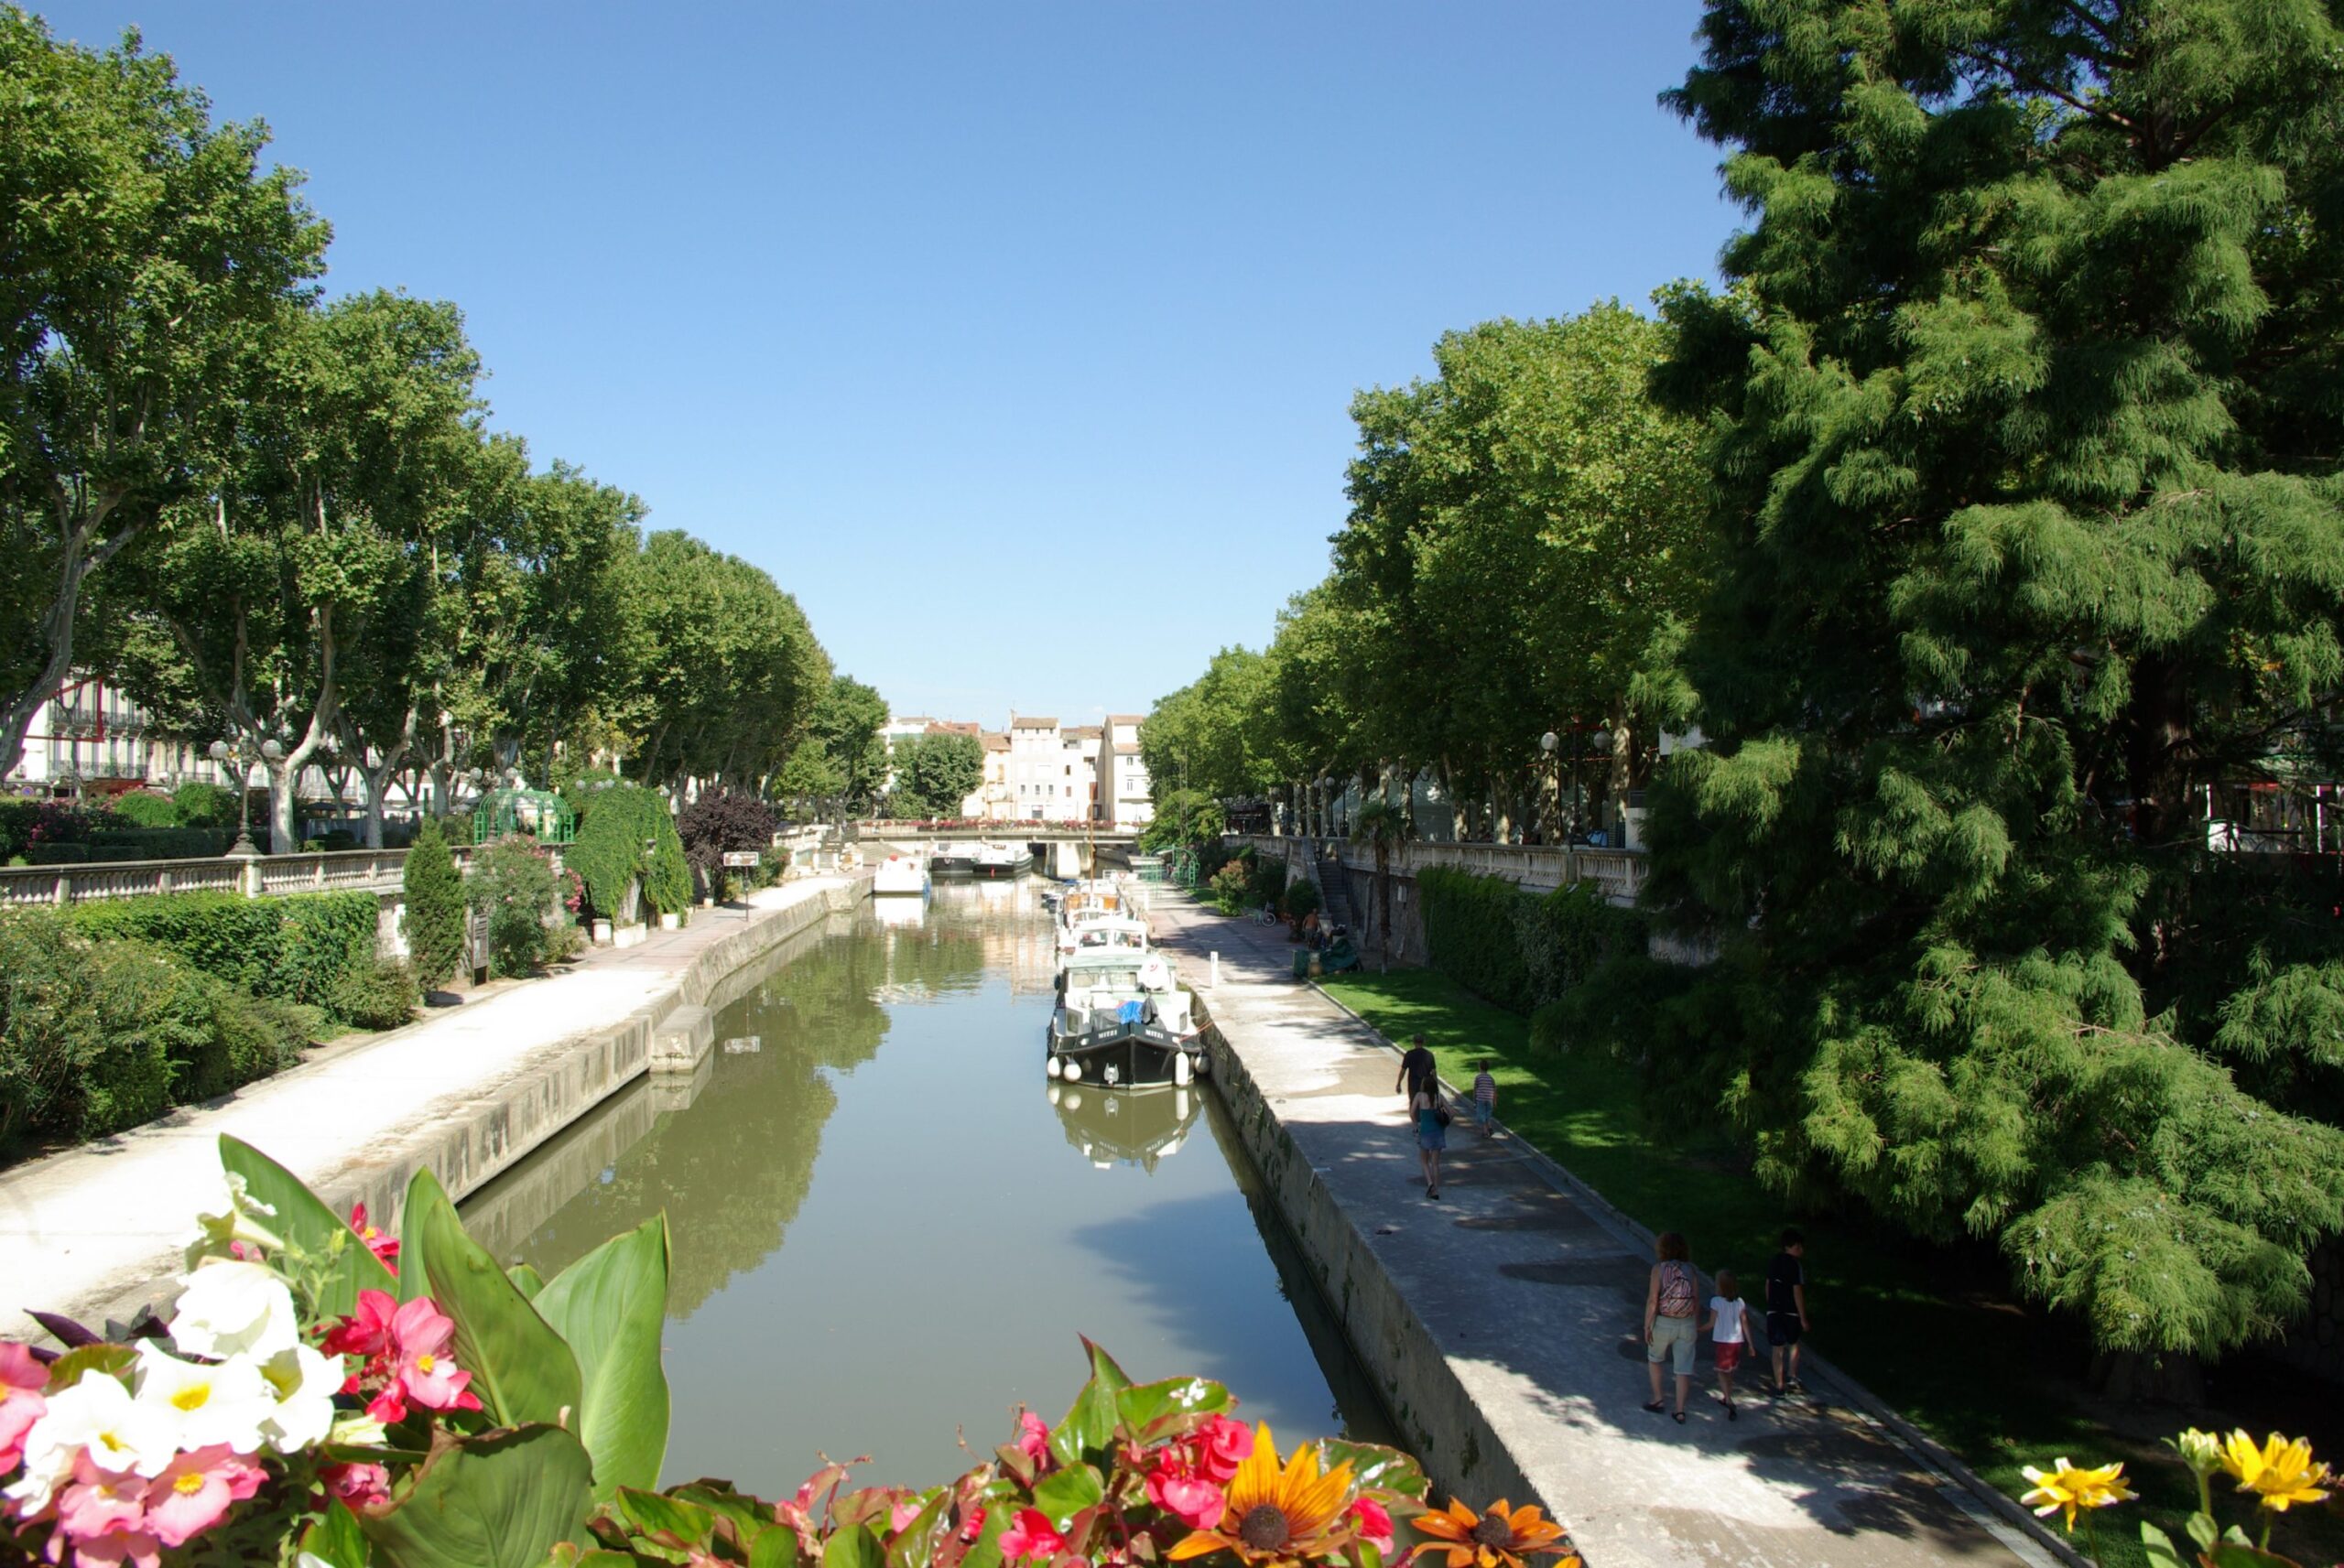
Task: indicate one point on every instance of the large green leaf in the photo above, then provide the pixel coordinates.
(1066, 1493)
(1375, 1466)
(1170, 1402)
(304, 1221)
(610, 1305)
(1090, 1425)
(504, 1499)
(853, 1547)
(521, 1369)
(333, 1538)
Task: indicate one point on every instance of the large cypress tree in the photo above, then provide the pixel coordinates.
(2027, 413)
(434, 919)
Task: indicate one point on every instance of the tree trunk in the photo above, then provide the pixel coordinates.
(77, 523)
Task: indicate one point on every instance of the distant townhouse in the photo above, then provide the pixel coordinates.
(1124, 798)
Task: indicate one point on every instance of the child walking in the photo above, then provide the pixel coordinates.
(1485, 1097)
(1729, 1325)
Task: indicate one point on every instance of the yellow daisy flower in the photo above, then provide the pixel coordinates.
(2066, 1487)
(2281, 1472)
(1279, 1515)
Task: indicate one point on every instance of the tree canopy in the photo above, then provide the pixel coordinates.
(2023, 427)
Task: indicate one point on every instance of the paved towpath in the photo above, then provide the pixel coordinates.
(80, 1228)
(1535, 1295)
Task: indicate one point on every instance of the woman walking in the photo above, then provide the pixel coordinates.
(1432, 1132)
(1669, 1306)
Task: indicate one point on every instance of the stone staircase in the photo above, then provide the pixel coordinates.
(1334, 889)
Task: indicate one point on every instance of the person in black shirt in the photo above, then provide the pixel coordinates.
(1415, 1067)
(1787, 1310)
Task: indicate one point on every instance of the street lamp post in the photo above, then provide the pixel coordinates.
(1551, 744)
(243, 754)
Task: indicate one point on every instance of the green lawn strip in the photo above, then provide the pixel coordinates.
(1973, 1372)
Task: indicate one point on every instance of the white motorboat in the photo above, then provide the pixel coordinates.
(1000, 859)
(1122, 1021)
(900, 874)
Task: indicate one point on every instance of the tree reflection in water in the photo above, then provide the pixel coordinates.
(733, 1169)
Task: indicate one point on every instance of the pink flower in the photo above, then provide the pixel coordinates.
(1374, 1523)
(22, 1378)
(1179, 1491)
(189, 1496)
(1033, 1437)
(136, 1547)
(420, 1337)
(1030, 1535)
(367, 1330)
(1221, 1444)
(98, 1503)
(384, 1247)
(973, 1525)
(358, 1484)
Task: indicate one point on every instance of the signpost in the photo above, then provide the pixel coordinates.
(740, 857)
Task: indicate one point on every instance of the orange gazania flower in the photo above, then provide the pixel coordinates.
(1276, 1515)
(1498, 1538)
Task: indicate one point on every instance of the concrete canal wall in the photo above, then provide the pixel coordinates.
(96, 1231)
(1502, 1325)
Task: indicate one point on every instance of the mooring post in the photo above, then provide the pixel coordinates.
(1215, 982)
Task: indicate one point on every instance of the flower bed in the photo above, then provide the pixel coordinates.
(328, 1397)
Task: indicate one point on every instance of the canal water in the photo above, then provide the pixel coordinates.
(885, 1234)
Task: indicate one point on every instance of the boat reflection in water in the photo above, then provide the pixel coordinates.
(899, 911)
(1112, 1126)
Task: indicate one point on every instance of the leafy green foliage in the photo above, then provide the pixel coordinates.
(624, 833)
(1521, 950)
(149, 258)
(2031, 531)
(375, 993)
(503, 1499)
(294, 948)
(302, 1221)
(98, 1036)
(512, 886)
(205, 806)
(935, 774)
(522, 1371)
(611, 1306)
(146, 809)
(434, 918)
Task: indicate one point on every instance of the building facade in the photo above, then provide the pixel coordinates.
(92, 739)
(1124, 798)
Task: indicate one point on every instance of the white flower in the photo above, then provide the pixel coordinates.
(354, 1429)
(204, 1405)
(305, 1383)
(97, 1415)
(228, 1309)
(229, 1216)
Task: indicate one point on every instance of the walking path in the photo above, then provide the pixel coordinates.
(1533, 1294)
(470, 1090)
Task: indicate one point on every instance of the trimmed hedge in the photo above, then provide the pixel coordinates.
(96, 1036)
(1521, 950)
(293, 949)
(147, 808)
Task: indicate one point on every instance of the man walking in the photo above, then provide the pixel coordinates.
(1786, 1311)
(1416, 1068)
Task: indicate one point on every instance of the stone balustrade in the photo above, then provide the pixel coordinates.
(1537, 867)
(341, 871)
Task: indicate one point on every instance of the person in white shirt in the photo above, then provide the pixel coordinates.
(1729, 1325)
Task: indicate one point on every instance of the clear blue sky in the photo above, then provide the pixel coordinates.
(1015, 338)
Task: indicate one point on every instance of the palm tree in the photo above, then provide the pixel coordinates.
(1378, 822)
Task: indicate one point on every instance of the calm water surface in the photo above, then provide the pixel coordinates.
(884, 1230)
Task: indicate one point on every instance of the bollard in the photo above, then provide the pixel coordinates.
(1215, 982)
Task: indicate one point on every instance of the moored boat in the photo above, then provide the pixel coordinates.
(999, 860)
(952, 861)
(1122, 1021)
(900, 874)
